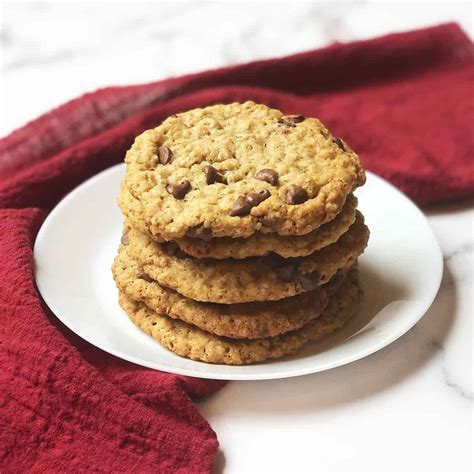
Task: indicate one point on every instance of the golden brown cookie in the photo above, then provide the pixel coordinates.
(260, 244)
(252, 279)
(232, 170)
(188, 341)
(257, 244)
(246, 320)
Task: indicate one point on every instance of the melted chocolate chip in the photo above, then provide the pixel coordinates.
(243, 204)
(172, 248)
(144, 276)
(167, 247)
(202, 233)
(179, 190)
(213, 176)
(165, 155)
(333, 285)
(308, 281)
(296, 195)
(268, 175)
(291, 120)
(255, 199)
(339, 143)
(178, 253)
(125, 240)
(295, 118)
(271, 223)
(241, 207)
(283, 121)
(287, 271)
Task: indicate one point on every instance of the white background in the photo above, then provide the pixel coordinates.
(406, 408)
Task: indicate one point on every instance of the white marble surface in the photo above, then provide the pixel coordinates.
(406, 408)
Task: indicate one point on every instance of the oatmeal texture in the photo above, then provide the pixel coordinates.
(232, 170)
(254, 279)
(246, 320)
(189, 341)
(258, 244)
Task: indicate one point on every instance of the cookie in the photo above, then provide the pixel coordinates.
(252, 279)
(132, 210)
(232, 170)
(189, 341)
(246, 320)
(258, 244)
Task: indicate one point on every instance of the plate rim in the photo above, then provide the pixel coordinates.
(286, 373)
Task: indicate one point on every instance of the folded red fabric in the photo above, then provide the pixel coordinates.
(403, 101)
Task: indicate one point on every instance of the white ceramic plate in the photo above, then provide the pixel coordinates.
(400, 274)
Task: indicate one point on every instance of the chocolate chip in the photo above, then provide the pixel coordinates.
(241, 207)
(243, 204)
(213, 176)
(172, 248)
(296, 118)
(178, 253)
(291, 120)
(339, 143)
(165, 155)
(202, 233)
(268, 175)
(283, 121)
(167, 247)
(125, 240)
(255, 199)
(179, 190)
(144, 276)
(270, 222)
(308, 281)
(276, 260)
(286, 272)
(296, 195)
(333, 285)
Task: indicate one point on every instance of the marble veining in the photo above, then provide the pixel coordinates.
(457, 388)
(448, 380)
(461, 251)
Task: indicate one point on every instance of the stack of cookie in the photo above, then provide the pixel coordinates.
(241, 233)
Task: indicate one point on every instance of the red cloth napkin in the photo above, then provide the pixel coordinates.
(403, 101)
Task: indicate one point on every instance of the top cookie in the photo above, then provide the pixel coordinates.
(232, 170)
